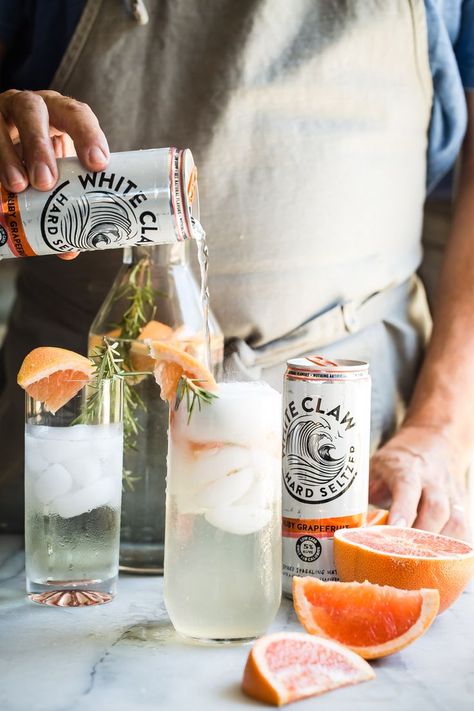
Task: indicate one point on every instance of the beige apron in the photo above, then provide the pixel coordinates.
(308, 121)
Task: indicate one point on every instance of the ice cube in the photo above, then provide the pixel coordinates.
(84, 471)
(240, 520)
(61, 450)
(244, 413)
(259, 494)
(211, 464)
(101, 492)
(225, 490)
(35, 462)
(53, 482)
(266, 484)
(113, 464)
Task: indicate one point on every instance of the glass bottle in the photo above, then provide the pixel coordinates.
(155, 295)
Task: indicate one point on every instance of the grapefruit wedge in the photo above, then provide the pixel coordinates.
(171, 362)
(54, 375)
(139, 351)
(406, 558)
(288, 666)
(372, 620)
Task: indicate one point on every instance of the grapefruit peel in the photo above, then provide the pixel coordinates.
(180, 374)
(413, 559)
(325, 607)
(53, 376)
(330, 666)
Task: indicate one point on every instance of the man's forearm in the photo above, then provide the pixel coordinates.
(444, 395)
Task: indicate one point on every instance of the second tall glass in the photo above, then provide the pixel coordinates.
(223, 515)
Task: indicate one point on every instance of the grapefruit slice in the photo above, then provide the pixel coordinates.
(287, 666)
(372, 620)
(406, 558)
(376, 517)
(171, 362)
(54, 375)
(139, 351)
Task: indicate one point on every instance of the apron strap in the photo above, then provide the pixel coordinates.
(326, 328)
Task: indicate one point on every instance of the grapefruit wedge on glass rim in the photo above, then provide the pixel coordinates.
(406, 558)
(54, 375)
(288, 666)
(372, 620)
(171, 363)
(139, 350)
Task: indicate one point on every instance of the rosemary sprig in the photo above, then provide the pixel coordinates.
(128, 480)
(107, 364)
(141, 296)
(139, 292)
(189, 389)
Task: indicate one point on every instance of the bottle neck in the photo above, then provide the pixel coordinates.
(159, 254)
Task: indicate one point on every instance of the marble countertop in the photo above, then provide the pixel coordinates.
(126, 656)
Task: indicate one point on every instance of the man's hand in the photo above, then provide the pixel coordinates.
(422, 468)
(36, 127)
(420, 471)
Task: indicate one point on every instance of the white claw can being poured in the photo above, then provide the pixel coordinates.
(142, 197)
(326, 433)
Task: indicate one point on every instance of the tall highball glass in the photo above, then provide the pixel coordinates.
(223, 515)
(73, 491)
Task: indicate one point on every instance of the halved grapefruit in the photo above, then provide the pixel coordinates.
(288, 666)
(372, 620)
(171, 362)
(54, 375)
(406, 558)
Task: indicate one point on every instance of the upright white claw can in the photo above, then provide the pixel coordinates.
(326, 436)
(141, 197)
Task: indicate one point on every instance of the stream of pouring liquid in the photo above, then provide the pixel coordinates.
(203, 259)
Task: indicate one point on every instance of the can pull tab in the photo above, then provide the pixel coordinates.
(321, 361)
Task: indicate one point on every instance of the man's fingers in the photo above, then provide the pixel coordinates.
(58, 146)
(28, 111)
(406, 494)
(79, 121)
(12, 172)
(457, 525)
(434, 510)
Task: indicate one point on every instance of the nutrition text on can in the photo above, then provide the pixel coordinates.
(326, 433)
(142, 197)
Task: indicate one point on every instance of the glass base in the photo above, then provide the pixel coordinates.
(72, 593)
(142, 558)
(218, 642)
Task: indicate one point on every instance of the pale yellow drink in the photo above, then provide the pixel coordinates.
(223, 525)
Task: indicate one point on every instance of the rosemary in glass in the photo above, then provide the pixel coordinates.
(193, 393)
(141, 296)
